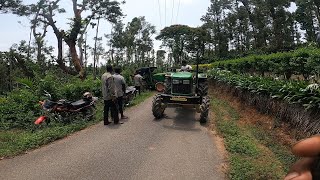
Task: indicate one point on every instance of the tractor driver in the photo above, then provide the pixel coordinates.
(185, 67)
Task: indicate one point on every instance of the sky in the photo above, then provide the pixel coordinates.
(188, 12)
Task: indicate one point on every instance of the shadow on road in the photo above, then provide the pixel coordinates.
(181, 119)
(113, 126)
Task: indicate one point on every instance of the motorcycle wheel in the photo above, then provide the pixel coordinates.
(89, 113)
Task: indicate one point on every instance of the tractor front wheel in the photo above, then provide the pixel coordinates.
(203, 88)
(204, 108)
(158, 107)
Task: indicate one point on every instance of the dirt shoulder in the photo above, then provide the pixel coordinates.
(258, 145)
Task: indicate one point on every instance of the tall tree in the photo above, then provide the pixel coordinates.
(305, 15)
(160, 58)
(106, 9)
(144, 41)
(215, 20)
(175, 38)
(117, 40)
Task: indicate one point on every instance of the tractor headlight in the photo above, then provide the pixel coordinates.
(186, 81)
(175, 81)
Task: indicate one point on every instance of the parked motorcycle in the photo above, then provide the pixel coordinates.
(63, 110)
(131, 93)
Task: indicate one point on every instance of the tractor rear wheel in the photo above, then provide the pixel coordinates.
(203, 88)
(158, 107)
(204, 108)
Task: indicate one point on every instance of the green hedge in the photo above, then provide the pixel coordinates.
(304, 61)
(293, 92)
(295, 102)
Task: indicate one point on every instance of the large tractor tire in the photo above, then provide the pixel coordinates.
(203, 89)
(204, 109)
(158, 107)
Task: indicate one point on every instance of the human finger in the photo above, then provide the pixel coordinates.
(308, 147)
(301, 170)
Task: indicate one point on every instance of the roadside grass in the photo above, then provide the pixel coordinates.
(283, 153)
(140, 98)
(15, 142)
(253, 153)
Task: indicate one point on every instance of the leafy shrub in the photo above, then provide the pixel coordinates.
(19, 110)
(127, 76)
(295, 102)
(304, 61)
(20, 107)
(74, 90)
(293, 92)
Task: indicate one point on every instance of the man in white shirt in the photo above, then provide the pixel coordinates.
(120, 86)
(109, 96)
(185, 67)
(138, 81)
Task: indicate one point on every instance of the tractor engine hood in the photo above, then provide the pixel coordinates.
(182, 75)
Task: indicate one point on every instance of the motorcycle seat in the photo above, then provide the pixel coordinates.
(80, 103)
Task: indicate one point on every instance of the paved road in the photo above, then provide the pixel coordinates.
(176, 147)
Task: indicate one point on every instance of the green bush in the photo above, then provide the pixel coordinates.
(74, 89)
(304, 61)
(127, 76)
(293, 92)
(20, 108)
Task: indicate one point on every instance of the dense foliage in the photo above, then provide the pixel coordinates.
(241, 27)
(19, 108)
(293, 101)
(303, 62)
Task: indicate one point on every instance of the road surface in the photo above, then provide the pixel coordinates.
(176, 147)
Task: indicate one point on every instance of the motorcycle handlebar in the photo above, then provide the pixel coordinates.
(47, 94)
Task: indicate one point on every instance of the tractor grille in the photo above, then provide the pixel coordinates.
(182, 88)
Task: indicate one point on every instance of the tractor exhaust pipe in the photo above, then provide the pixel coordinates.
(197, 74)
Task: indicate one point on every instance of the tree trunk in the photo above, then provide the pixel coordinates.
(60, 60)
(85, 52)
(317, 11)
(80, 42)
(95, 51)
(75, 59)
(29, 44)
(251, 18)
(39, 53)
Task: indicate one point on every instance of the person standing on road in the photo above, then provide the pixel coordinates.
(138, 82)
(109, 96)
(120, 85)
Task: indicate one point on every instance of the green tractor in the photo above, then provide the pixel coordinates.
(183, 88)
(149, 77)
